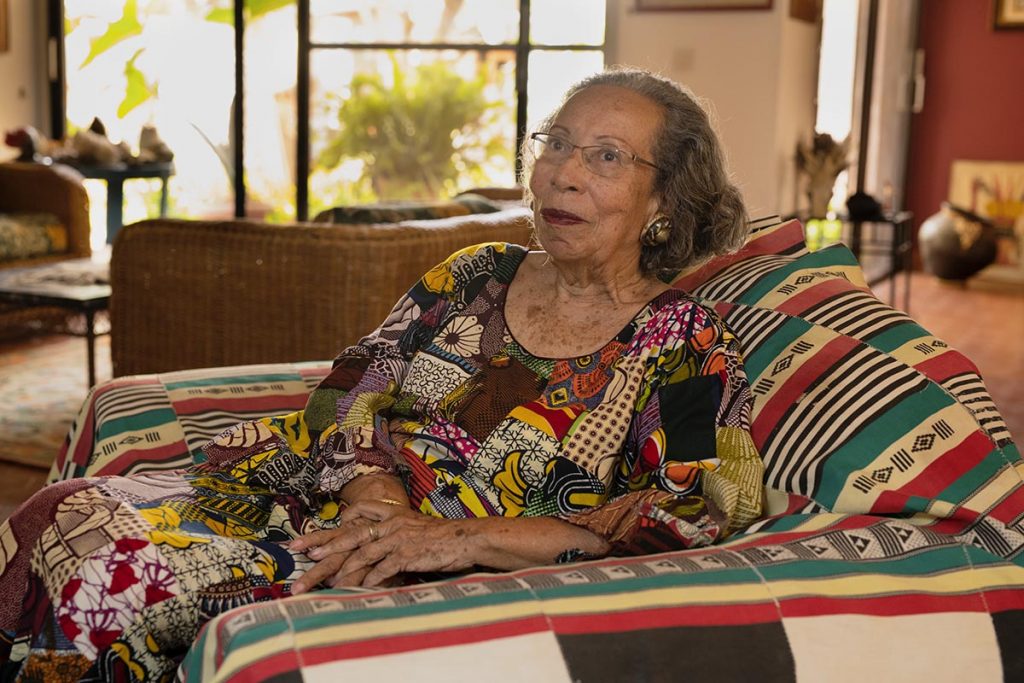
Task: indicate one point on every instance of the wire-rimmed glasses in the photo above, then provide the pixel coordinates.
(603, 160)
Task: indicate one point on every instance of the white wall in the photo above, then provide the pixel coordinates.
(22, 70)
(757, 69)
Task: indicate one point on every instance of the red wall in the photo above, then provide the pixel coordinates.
(974, 98)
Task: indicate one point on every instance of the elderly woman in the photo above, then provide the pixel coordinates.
(516, 408)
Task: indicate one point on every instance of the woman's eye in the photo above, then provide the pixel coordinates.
(609, 155)
(557, 145)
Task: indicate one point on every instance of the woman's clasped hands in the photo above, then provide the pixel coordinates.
(376, 541)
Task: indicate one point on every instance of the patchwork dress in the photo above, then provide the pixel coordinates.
(645, 442)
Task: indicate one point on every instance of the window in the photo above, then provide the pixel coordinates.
(341, 100)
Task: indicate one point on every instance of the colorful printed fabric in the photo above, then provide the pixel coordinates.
(645, 441)
(158, 422)
(857, 409)
(921, 578)
(654, 421)
(839, 599)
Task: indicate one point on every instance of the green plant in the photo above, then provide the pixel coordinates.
(418, 134)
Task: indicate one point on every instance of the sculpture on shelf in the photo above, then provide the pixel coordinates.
(817, 167)
(956, 243)
(88, 147)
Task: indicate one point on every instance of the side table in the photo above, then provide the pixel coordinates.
(115, 177)
(44, 286)
(893, 242)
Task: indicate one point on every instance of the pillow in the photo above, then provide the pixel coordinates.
(858, 409)
(26, 235)
(397, 211)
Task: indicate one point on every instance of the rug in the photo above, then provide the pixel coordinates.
(42, 386)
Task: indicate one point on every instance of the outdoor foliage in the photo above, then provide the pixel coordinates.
(418, 134)
(138, 88)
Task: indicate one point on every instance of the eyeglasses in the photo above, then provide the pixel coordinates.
(603, 160)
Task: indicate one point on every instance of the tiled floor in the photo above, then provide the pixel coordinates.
(987, 325)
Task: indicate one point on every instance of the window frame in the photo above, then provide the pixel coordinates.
(522, 48)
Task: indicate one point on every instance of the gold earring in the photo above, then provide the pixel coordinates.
(656, 232)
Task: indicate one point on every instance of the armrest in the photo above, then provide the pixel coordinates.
(155, 422)
(192, 294)
(56, 189)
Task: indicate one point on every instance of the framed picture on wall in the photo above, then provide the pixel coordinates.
(995, 190)
(681, 5)
(1008, 14)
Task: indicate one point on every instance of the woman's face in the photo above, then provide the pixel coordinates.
(585, 218)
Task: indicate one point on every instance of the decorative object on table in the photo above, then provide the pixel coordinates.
(33, 145)
(89, 147)
(994, 190)
(152, 149)
(94, 149)
(860, 206)
(956, 243)
(817, 167)
(680, 5)
(1007, 14)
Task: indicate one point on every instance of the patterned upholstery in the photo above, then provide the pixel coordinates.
(396, 211)
(155, 422)
(28, 235)
(894, 529)
(857, 408)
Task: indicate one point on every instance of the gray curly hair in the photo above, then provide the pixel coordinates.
(706, 210)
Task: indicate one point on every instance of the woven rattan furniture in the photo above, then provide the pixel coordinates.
(57, 190)
(193, 294)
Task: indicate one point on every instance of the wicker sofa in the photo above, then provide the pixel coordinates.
(194, 294)
(892, 546)
(55, 191)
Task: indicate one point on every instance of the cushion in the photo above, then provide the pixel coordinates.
(858, 409)
(27, 235)
(146, 423)
(396, 211)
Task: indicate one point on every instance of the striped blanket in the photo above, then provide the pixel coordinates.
(891, 547)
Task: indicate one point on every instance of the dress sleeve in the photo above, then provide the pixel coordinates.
(348, 414)
(690, 472)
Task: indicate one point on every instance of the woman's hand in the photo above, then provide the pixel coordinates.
(375, 542)
(418, 543)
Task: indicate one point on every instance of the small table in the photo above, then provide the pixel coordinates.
(896, 245)
(29, 286)
(115, 177)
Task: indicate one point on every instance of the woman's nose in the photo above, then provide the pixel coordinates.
(568, 173)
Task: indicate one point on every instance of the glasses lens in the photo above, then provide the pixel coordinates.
(608, 162)
(550, 148)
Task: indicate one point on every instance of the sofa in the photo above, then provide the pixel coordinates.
(192, 294)
(891, 547)
(44, 214)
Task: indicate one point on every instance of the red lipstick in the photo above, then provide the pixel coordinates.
(558, 217)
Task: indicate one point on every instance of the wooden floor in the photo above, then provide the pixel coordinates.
(985, 324)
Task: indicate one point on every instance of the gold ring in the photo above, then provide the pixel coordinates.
(374, 534)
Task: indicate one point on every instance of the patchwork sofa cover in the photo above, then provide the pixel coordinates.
(891, 547)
